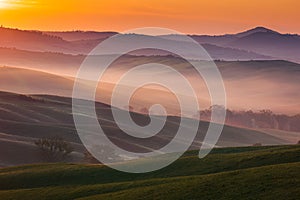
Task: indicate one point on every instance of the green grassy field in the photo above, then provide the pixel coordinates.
(228, 173)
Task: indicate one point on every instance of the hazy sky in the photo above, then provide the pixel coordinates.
(187, 16)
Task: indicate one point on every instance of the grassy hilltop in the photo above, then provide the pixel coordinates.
(228, 173)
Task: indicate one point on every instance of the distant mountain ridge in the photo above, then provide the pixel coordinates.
(258, 29)
(256, 44)
(259, 40)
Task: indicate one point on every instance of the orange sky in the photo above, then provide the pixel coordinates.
(187, 16)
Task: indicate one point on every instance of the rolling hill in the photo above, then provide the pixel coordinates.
(27, 81)
(255, 83)
(56, 63)
(230, 173)
(259, 40)
(25, 118)
(281, 46)
(42, 42)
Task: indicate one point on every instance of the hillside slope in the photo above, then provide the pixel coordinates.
(231, 173)
(24, 81)
(26, 118)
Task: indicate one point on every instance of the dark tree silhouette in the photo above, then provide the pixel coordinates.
(260, 119)
(54, 149)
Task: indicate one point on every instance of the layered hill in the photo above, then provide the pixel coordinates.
(78, 42)
(249, 84)
(259, 40)
(42, 42)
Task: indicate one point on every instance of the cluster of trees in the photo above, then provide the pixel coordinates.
(54, 149)
(260, 119)
(30, 98)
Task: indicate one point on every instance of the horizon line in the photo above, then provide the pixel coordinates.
(120, 32)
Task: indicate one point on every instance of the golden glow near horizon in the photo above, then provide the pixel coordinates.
(3, 4)
(15, 4)
(189, 16)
